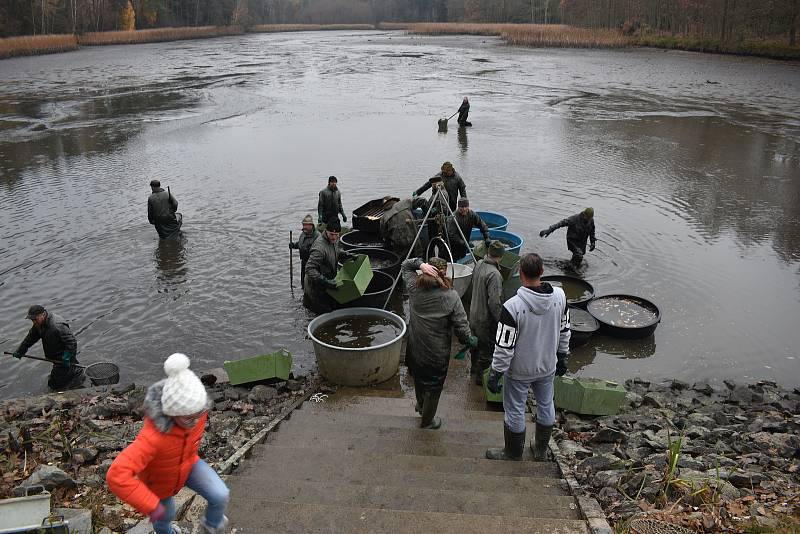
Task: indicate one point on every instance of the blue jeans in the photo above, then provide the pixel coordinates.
(515, 395)
(205, 482)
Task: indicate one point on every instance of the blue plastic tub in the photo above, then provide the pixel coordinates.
(495, 221)
(513, 242)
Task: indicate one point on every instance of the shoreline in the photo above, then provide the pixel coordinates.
(524, 35)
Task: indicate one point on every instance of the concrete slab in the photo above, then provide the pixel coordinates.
(291, 518)
(312, 417)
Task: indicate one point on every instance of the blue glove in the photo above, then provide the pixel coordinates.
(18, 355)
(561, 363)
(66, 359)
(472, 342)
(493, 384)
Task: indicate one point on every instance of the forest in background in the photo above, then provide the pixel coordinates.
(727, 21)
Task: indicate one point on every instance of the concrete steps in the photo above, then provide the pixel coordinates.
(360, 463)
(268, 516)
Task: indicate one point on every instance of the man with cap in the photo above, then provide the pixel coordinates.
(453, 184)
(330, 202)
(580, 227)
(323, 259)
(465, 220)
(485, 306)
(59, 345)
(164, 456)
(463, 113)
(436, 313)
(162, 210)
(304, 242)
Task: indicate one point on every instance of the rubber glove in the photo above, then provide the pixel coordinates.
(158, 514)
(544, 233)
(460, 355)
(292, 245)
(330, 283)
(18, 355)
(591, 246)
(66, 359)
(344, 217)
(472, 342)
(486, 242)
(561, 363)
(493, 384)
(414, 194)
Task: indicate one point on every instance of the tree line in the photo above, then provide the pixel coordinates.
(720, 19)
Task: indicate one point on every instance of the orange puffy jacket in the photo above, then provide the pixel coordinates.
(156, 465)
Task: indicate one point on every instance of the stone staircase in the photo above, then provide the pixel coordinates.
(359, 462)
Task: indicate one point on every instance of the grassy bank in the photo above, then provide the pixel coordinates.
(275, 28)
(533, 35)
(769, 48)
(156, 35)
(37, 44)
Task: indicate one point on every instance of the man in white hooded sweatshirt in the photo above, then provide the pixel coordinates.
(531, 348)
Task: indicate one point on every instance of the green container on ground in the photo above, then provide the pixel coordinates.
(352, 280)
(276, 364)
(588, 396)
(492, 397)
(508, 264)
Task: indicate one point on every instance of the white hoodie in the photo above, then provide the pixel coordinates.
(533, 327)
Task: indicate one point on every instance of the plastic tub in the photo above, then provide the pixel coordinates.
(360, 239)
(376, 294)
(579, 292)
(625, 328)
(385, 256)
(496, 221)
(513, 242)
(357, 366)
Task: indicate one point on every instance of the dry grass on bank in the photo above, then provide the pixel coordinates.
(394, 25)
(36, 44)
(275, 28)
(156, 35)
(533, 35)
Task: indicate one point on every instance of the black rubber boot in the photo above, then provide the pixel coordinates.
(515, 444)
(420, 399)
(429, 405)
(478, 375)
(539, 444)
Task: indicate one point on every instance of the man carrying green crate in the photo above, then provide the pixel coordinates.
(531, 348)
(485, 306)
(323, 260)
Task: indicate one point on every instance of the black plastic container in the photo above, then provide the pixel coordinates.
(367, 217)
(376, 294)
(387, 256)
(634, 330)
(360, 239)
(573, 285)
(583, 326)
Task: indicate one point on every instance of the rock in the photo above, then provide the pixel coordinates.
(49, 476)
(700, 419)
(609, 495)
(694, 432)
(104, 530)
(262, 394)
(574, 449)
(609, 435)
(122, 389)
(746, 479)
(231, 394)
(655, 400)
(80, 519)
(84, 455)
(698, 480)
(679, 385)
(691, 463)
(208, 379)
(293, 385)
(112, 517)
(601, 462)
(39, 127)
(607, 479)
(703, 387)
(102, 469)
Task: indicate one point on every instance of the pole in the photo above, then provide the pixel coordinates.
(291, 262)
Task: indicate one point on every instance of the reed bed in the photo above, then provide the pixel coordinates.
(37, 44)
(394, 25)
(455, 28)
(533, 35)
(156, 35)
(275, 28)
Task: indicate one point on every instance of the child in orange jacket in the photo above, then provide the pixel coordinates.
(163, 457)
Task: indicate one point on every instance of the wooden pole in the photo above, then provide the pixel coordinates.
(291, 262)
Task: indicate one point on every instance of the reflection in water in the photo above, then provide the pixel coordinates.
(584, 355)
(462, 139)
(170, 259)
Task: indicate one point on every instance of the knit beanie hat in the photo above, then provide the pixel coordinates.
(183, 393)
(439, 263)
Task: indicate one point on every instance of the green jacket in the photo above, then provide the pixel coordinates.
(436, 314)
(487, 299)
(323, 259)
(466, 223)
(56, 338)
(329, 205)
(304, 243)
(454, 185)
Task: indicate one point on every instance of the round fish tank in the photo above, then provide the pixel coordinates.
(578, 291)
(625, 316)
(513, 242)
(376, 294)
(360, 239)
(380, 259)
(357, 346)
(495, 221)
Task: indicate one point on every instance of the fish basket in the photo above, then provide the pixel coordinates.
(102, 373)
(655, 526)
(352, 280)
(588, 396)
(273, 365)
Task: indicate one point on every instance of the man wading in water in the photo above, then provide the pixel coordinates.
(436, 314)
(580, 227)
(330, 202)
(162, 213)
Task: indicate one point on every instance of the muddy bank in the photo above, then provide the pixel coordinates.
(714, 459)
(67, 441)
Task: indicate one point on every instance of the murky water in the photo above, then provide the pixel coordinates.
(695, 187)
(357, 332)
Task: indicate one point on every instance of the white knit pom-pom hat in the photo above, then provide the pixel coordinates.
(183, 393)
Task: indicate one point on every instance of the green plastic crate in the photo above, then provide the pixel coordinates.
(588, 396)
(355, 276)
(274, 365)
(509, 263)
(491, 397)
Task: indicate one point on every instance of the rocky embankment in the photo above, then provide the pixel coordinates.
(714, 459)
(67, 441)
